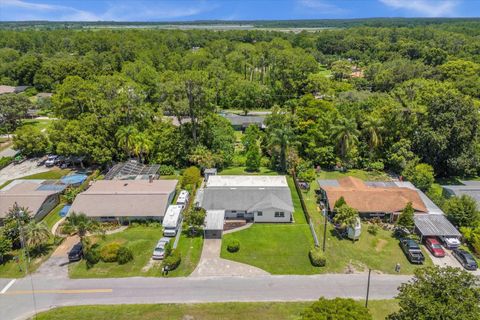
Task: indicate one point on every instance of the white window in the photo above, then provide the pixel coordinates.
(259, 213)
(279, 214)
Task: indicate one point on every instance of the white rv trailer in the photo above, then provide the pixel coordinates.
(172, 220)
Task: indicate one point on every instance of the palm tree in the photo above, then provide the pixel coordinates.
(373, 128)
(346, 134)
(125, 137)
(142, 146)
(80, 224)
(36, 234)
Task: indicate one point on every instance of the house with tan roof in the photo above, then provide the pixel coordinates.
(125, 200)
(371, 199)
(37, 196)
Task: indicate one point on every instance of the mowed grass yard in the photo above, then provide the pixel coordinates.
(206, 311)
(55, 173)
(379, 252)
(275, 247)
(141, 240)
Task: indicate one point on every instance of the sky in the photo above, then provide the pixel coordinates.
(188, 10)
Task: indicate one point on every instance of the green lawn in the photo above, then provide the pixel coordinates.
(11, 269)
(141, 240)
(361, 174)
(380, 252)
(54, 174)
(242, 171)
(40, 124)
(53, 217)
(275, 248)
(191, 250)
(207, 311)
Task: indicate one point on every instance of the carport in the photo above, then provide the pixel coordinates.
(214, 224)
(434, 225)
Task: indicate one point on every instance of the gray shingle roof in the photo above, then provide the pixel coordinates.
(435, 225)
(248, 199)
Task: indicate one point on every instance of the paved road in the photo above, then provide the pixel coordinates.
(18, 303)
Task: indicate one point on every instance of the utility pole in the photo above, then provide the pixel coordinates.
(368, 287)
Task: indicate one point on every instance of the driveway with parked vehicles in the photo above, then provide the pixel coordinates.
(23, 169)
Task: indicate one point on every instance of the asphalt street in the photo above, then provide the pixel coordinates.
(18, 302)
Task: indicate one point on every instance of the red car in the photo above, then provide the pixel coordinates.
(435, 247)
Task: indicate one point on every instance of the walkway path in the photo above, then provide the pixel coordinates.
(212, 265)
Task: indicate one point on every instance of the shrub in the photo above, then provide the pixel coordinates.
(377, 166)
(421, 175)
(173, 260)
(109, 252)
(166, 170)
(372, 229)
(317, 257)
(154, 224)
(124, 255)
(5, 161)
(92, 257)
(191, 176)
(233, 245)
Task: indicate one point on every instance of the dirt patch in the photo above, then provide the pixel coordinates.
(381, 243)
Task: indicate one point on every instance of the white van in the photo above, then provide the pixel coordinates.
(172, 220)
(183, 198)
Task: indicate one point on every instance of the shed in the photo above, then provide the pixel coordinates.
(436, 225)
(209, 172)
(214, 224)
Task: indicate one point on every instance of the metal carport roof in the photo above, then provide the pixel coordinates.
(435, 225)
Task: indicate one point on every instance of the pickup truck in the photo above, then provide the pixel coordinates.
(412, 251)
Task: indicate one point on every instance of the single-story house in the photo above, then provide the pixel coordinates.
(132, 170)
(384, 200)
(239, 122)
(468, 188)
(10, 89)
(256, 198)
(124, 200)
(38, 196)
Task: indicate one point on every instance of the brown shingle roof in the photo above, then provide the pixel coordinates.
(25, 194)
(125, 198)
(373, 199)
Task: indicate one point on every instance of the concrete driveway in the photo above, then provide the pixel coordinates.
(23, 169)
(448, 261)
(57, 265)
(212, 265)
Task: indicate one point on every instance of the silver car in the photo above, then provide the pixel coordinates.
(159, 251)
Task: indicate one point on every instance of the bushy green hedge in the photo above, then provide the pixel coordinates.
(373, 229)
(233, 245)
(173, 260)
(109, 252)
(317, 257)
(92, 257)
(124, 255)
(5, 161)
(166, 170)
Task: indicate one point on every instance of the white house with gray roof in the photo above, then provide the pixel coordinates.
(257, 198)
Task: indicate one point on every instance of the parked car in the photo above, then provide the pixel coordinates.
(59, 161)
(159, 251)
(434, 246)
(451, 242)
(465, 259)
(412, 250)
(50, 162)
(76, 253)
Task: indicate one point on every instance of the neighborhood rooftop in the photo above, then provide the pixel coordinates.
(131, 170)
(247, 181)
(469, 188)
(435, 225)
(385, 198)
(31, 194)
(125, 198)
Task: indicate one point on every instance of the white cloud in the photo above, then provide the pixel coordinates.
(25, 10)
(320, 5)
(115, 11)
(427, 8)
